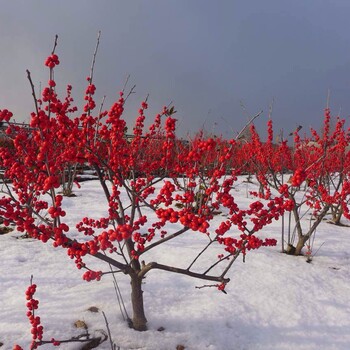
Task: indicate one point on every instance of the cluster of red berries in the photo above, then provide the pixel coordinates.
(298, 178)
(90, 90)
(92, 275)
(170, 125)
(32, 304)
(284, 189)
(168, 214)
(223, 228)
(52, 61)
(51, 182)
(269, 131)
(5, 115)
(114, 116)
(36, 327)
(139, 123)
(194, 222)
(49, 95)
(221, 287)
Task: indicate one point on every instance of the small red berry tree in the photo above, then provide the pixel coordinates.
(157, 187)
(320, 174)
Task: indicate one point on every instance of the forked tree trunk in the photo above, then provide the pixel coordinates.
(300, 244)
(303, 238)
(139, 321)
(337, 215)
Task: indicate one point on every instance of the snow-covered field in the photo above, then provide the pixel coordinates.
(274, 301)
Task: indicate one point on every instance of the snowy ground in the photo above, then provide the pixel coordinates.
(274, 301)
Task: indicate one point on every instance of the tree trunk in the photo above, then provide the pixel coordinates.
(301, 242)
(302, 239)
(139, 321)
(336, 215)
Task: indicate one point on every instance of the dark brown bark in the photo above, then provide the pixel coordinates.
(139, 321)
(102, 181)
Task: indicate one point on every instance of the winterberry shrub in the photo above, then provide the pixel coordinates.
(158, 188)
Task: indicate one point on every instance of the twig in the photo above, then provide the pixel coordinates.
(271, 108)
(203, 276)
(52, 74)
(33, 91)
(328, 98)
(206, 286)
(122, 307)
(108, 330)
(96, 341)
(165, 239)
(200, 253)
(54, 45)
(93, 65)
(126, 82)
(94, 56)
(226, 257)
(318, 249)
(97, 122)
(132, 91)
(248, 123)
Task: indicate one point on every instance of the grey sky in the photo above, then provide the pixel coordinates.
(208, 57)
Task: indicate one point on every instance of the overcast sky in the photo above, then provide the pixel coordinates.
(218, 61)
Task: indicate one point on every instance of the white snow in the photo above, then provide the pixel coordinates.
(274, 301)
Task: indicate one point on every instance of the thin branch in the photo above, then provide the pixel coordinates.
(155, 265)
(97, 122)
(93, 66)
(125, 268)
(318, 220)
(165, 239)
(233, 260)
(217, 263)
(33, 91)
(207, 286)
(54, 45)
(271, 108)
(126, 82)
(132, 91)
(52, 74)
(328, 98)
(318, 249)
(108, 330)
(200, 253)
(102, 181)
(94, 56)
(248, 123)
(78, 339)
